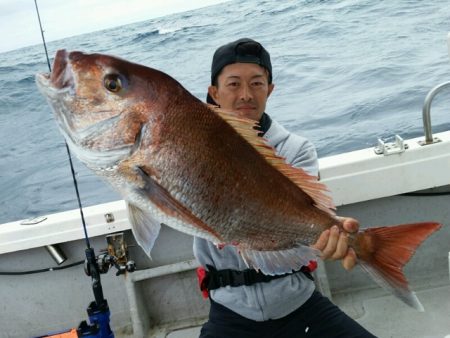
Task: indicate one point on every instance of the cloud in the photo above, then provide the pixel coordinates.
(19, 25)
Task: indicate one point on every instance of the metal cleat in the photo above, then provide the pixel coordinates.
(383, 148)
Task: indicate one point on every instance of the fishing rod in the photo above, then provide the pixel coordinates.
(75, 183)
(98, 310)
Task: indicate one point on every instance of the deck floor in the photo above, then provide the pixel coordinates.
(387, 317)
(383, 315)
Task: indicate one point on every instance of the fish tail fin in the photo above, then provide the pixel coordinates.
(384, 251)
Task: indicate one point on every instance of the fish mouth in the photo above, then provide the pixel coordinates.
(58, 87)
(60, 79)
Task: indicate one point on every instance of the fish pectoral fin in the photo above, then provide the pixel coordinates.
(170, 206)
(144, 226)
(279, 262)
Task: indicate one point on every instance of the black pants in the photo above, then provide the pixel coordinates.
(318, 318)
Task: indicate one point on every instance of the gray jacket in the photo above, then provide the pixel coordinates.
(279, 297)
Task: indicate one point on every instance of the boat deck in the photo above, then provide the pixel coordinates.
(378, 312)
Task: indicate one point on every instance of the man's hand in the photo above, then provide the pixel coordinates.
(334, 244)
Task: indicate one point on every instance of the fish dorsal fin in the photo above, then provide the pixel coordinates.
(306, 182)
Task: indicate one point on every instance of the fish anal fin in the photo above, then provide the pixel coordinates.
(384, 251)
(308, 183)
(279, 262)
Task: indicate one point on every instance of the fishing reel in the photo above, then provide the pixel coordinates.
(116, 256)
(106, 261)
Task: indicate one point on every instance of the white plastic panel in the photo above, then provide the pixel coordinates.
(63, 227)
(362, 175)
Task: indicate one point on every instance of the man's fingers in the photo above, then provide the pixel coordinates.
(341, 247)
(322, 241)
(332, 243)
(349, 224)
(349, 261)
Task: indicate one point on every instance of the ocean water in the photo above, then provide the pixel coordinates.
(345, 73)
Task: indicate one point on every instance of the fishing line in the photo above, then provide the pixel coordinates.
(75, 183)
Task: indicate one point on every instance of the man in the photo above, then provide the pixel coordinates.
(258, 305)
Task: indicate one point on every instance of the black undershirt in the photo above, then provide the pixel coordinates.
(264, 124)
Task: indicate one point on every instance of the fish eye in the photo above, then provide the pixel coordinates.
(113, 83)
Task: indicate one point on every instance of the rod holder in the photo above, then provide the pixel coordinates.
(56, 252)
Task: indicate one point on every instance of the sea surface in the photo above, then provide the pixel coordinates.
(346, 73)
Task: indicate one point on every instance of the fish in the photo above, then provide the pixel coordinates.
(205, 171)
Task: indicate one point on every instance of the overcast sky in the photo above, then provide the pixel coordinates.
(19, 25)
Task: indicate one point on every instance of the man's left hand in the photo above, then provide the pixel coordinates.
(334, 243)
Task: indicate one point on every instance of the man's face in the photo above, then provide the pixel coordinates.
(244, 88)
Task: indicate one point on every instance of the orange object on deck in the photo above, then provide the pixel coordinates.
(70, 334)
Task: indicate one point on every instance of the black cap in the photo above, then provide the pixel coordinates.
(243, 50)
